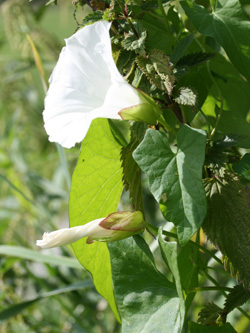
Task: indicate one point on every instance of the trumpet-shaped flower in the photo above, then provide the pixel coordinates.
(114, 227)
(86, 84)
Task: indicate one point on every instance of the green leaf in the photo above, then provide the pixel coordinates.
(120, 131)
(243, 167)
(199, 81)
(95, 193)
(146, 300)
(180, 48)
(237, 297)
(157, 68)
(196, 328)
(174, 18)
(228, 25)
(132, 43)
(227, 222)
(157, 37)
(186, 96)
(169, 252)
(235, 92)
(174, 176)
(210, 315)
(194, 59)
(188, 261)
(28, 254)
(131, 170)
(230, 140)
(14, 310)
(188, 268)
(92, 17)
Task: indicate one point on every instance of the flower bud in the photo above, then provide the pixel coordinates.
(120, 225)
(114, 227)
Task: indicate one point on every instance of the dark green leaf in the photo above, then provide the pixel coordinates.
(174, 18)
(157, 34)
(235, 93)
(194, 59)
(174, 176)
(199, 81)
(228, 221)
(228, 25)
(169, 252)
(92, 17)
(196, 328)
(231, 140)
(180, 48)
(95, 192)
(188, 261)
(131, 170)
(188, 268)
(243, 167)
(210, 315)
(146, 300)
(237, 297)
(120, 131)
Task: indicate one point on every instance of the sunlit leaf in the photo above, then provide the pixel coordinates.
(174, 176)
(95, 193)
(146, 300)
(228, 25)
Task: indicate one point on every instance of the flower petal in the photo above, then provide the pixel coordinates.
(84, 85)
(69, 235)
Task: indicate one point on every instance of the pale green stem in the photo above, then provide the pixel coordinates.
(163, 122)
(194, 290)
(172, 235)
(206, 119)
(184, 118)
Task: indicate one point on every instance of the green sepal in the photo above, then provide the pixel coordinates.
(121, 225)
(147, 112)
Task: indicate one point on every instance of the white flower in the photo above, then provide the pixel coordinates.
(114, 227)
(85, 85)
(69, 235)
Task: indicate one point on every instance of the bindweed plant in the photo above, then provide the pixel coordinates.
(158, 91)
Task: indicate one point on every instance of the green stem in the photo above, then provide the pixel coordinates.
(128, 19)
(172, 235)
(183, 115)
(165, 18)
(194, 290)
(163, 122)
(206, 119)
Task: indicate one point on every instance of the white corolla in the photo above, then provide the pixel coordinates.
(114, 227)
(86, 84)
